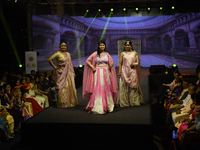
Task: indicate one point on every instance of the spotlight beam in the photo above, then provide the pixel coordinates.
(86, 13)
(126, 22)
(89, 27)
(9, 35)
(78, 43)
(104, 30)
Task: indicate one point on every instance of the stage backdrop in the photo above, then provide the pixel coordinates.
(164, 40)
(30, 61)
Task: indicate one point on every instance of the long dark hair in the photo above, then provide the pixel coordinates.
(98, 50)
(129, 43)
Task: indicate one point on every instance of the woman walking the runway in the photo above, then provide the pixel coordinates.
(65, 87)
(130, 93)
(99, 82)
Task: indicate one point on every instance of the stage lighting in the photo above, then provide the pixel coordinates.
(99, 10)
(111, 9)
(175, 67)
(20, 65)
(166, 72)
(161, 8)
(80, 65)
(173, 7)
(87, 10)
(148, 9)
(124, 9)
(137, 10)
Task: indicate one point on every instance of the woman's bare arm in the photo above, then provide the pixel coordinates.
(120, 64)
(50, 60)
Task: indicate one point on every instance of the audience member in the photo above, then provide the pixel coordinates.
(18, 118)
(3, 80)
(42, 89)
(166, 88)
(19, 102)
(31, 94)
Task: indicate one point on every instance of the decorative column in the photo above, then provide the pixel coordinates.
(56, 42)
(193, 44)
(179, 45)
(144, 43)
(163, 44)
(173, 43)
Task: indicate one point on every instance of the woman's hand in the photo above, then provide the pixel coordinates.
(132, 66)
(119, 75)
(178, 112)
(94, 69)
(176, 108)
(110, 67)
(15, 94)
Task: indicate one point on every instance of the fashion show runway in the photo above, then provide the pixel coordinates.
(74, 128)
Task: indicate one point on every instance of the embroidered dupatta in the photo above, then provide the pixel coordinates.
(131, 76)
(63, 68)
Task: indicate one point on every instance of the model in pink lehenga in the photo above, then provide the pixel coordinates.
(65, 87)
(130, 93)
(99, 82)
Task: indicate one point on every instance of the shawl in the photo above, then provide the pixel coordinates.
(62, 72)
(130, 76)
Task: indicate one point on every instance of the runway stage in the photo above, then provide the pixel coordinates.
(73, 128)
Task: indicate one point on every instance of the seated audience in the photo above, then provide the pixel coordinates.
(43, 102)
(174, 112)
(179, 114)
(52, 79)
(25, 88)
(9, 100)
(3, 80)
(19, 102)
(175, 93)
(166, 88)
(32, 74)
(42, 89)
(46, 84)
(178, 101)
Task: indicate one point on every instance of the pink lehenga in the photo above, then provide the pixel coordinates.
(130, 93)
(100, 88)
(65, 86)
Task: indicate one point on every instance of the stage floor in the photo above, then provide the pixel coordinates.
(126, 115)
(73, 123)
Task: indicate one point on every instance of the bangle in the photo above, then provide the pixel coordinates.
(119, 73)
